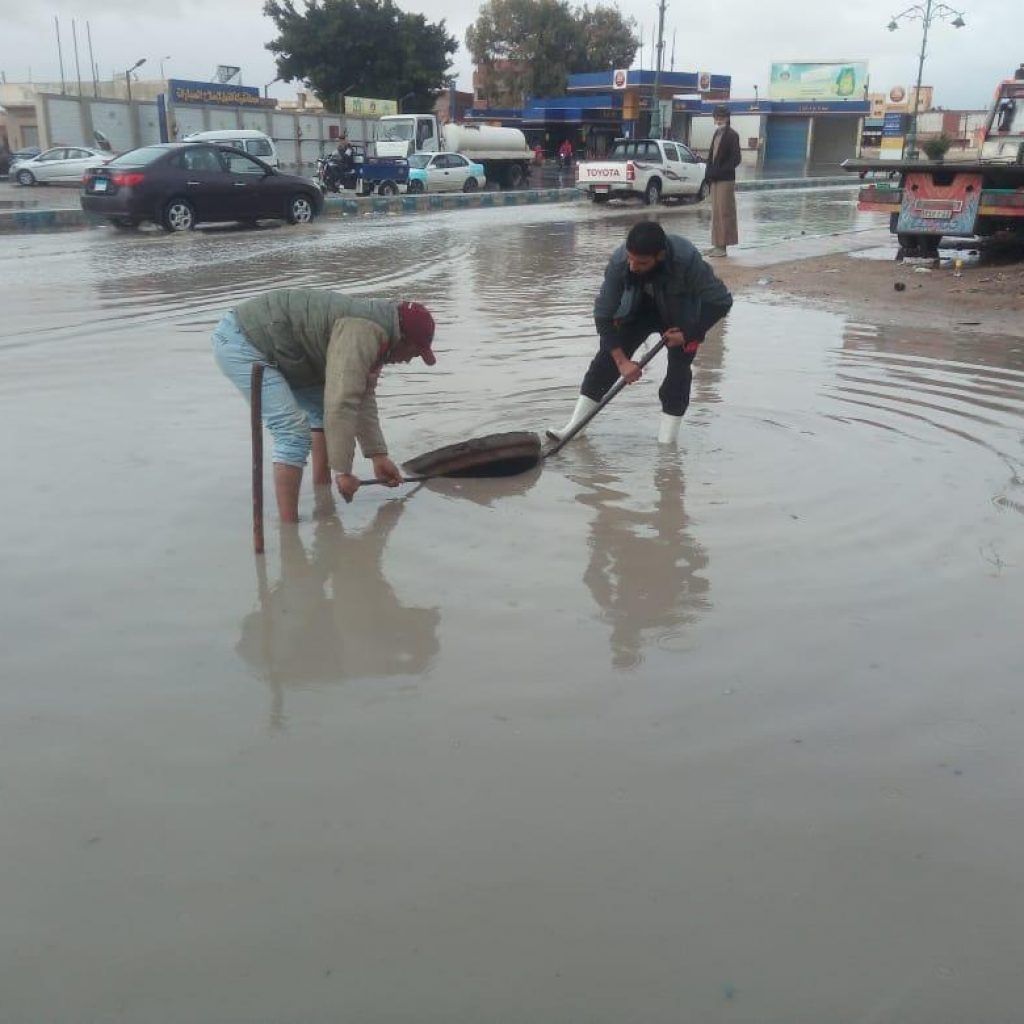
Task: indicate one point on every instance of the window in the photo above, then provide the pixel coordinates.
(456, 161)
(687, 155)
(239, 163)
(671, 153)
(202, 159)
(51, 155)
(259, 147)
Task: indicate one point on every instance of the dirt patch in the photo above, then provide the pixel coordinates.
(987, 297)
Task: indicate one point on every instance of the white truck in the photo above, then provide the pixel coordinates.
(502, 151)
(654, 170)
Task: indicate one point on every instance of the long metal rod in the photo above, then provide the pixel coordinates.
(92, 63)
(78, 68)
(927, 18)
(256, 425)
(612, 392)
(60, 55)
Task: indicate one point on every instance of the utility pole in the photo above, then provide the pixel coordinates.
(92, 63)
(60, 56)
(78, 69)
(656, 125)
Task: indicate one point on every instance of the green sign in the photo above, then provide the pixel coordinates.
(837, 80)
(360, 106)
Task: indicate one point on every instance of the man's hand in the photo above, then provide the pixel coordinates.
(386, 471)
(347, 485)
(674, 338)
(631, 372)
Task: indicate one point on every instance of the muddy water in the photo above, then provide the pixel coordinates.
(727, 734)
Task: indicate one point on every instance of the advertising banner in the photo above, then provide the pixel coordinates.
(837, 80)
(361, 106)
(620, 76)
(216, 93)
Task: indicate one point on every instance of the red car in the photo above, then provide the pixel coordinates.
(181, 184)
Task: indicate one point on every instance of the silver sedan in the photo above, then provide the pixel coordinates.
(59, 164)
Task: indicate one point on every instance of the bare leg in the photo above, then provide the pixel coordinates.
(321, 467)
(287, 481)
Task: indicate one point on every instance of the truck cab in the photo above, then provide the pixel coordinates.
(1004, 133)
(404, 134)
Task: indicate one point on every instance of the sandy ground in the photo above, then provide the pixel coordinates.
(728, 733)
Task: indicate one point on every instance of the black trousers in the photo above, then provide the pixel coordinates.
(675, 388)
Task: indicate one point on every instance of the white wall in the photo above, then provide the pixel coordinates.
(702, 128)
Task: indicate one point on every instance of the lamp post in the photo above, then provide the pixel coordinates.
(268, 85)
(128, 76)
(926, 13)
(162, 59)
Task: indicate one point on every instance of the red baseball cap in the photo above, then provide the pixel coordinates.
(418, 327)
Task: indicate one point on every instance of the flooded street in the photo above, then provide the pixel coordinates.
(724, 734)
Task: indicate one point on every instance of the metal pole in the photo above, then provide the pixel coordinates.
(256, 427)
(92, 63)
(78, 70)
(60, 56)
(912, 138)
(656, 125)
(128, 84)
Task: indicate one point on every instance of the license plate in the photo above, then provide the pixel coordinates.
(935, 214)
(601, 188)
(100, 185)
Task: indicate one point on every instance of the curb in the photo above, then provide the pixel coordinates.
(29, 221)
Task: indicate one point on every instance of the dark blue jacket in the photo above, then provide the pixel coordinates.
(683, 286)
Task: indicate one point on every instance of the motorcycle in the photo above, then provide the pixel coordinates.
(331, 177)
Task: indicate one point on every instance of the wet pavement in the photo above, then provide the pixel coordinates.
(728, 733)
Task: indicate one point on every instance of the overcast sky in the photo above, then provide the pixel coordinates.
(736, 37)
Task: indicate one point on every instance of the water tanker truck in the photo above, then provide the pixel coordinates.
(502, 151)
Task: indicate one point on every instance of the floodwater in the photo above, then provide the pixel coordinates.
(730, 733)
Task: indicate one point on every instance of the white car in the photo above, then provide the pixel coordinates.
(61, 163)
(444, 172)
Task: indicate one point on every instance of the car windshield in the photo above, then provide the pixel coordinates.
(395, 131)
(419, 160)
(137, 157)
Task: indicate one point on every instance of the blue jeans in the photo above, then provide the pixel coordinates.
(288, 413)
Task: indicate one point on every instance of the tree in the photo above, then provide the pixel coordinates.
(362, 47)
(528, 47)
(607, 40)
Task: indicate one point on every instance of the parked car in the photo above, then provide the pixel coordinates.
(8, 159)
(246, 139)
(444, 172)
(61, 163)
(181, 184)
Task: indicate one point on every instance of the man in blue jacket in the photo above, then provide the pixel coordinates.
(654, 284)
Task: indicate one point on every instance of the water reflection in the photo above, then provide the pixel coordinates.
(332, 615)
(646, 570)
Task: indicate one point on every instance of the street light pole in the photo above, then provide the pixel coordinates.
(926, 13)
(128, 76)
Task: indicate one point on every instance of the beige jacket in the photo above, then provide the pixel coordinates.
(355, 354)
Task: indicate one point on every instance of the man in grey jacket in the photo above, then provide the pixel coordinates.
(654, 284)
(323, 352)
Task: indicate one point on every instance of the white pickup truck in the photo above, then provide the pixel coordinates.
(650, 169)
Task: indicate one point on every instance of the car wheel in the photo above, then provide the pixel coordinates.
(300, 209)
(25, 178)
(178, 215)
(652, 194)
(415, 187)
(388, 188)
(705, 191)
(471, 185)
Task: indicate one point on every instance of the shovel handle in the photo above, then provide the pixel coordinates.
(612, 392)
(405, 480)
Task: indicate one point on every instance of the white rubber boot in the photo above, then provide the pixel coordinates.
(668, 432)
(584, 406)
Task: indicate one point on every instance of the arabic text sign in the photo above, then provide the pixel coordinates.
(364, 107)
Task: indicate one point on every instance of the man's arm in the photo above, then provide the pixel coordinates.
(608, 300)
(350, 407)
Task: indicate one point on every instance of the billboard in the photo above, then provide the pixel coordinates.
(361, 106)
(217, 93)
(835, 80)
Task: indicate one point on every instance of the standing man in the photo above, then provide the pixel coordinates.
(654, 284)
(324, 352)
(723, 160)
